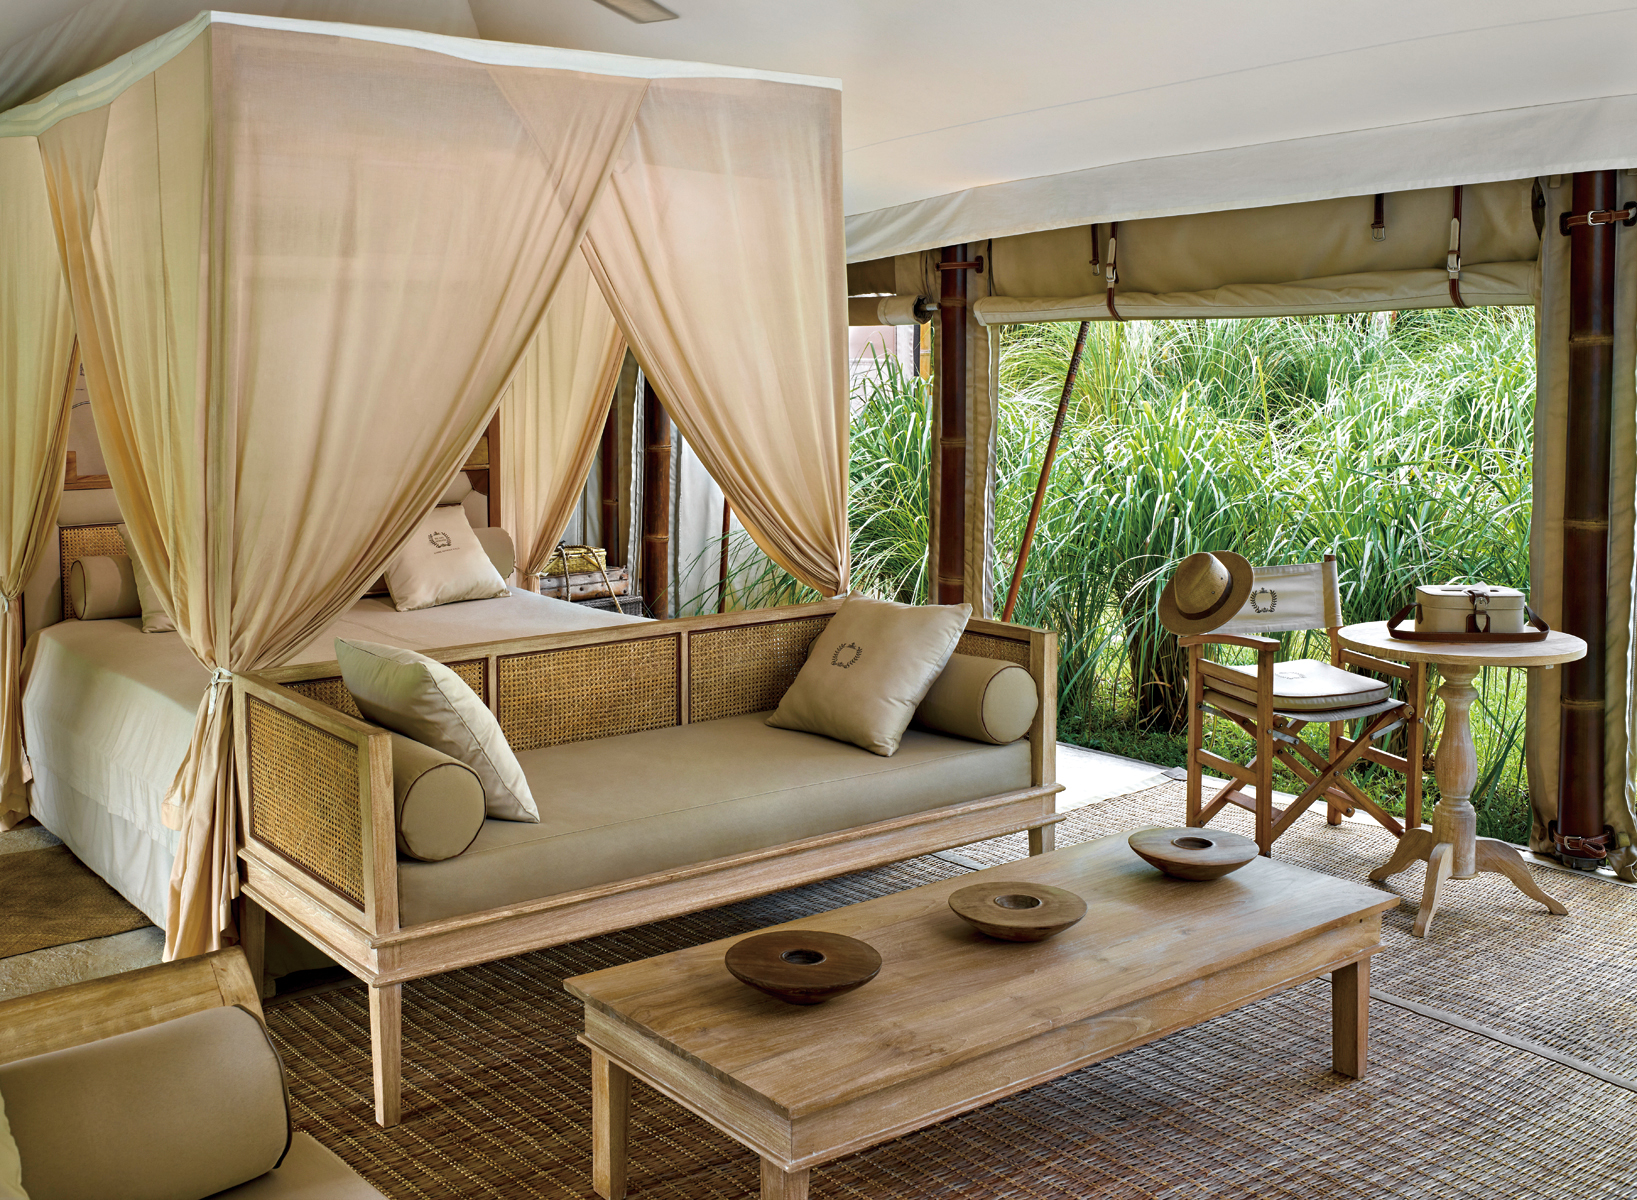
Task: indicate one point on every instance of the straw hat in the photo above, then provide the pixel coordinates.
(1206, 590)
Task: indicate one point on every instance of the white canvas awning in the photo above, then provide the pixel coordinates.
(967, 120)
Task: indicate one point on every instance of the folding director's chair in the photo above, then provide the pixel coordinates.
(1273, 702)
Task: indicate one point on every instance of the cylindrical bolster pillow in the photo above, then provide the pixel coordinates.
(984, 699)
(177, 1111)
(440, 801)
(103, 586)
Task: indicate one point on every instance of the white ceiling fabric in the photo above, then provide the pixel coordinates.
(964, 119)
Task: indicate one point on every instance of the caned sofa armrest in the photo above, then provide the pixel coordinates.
(315, 787)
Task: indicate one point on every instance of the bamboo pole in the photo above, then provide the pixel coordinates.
(722, 568)
(1045, 471)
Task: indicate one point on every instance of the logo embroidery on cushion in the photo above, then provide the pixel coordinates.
(1261, 596)
(439, 540)
(836, 659)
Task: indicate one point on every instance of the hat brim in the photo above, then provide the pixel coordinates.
(1242, 577)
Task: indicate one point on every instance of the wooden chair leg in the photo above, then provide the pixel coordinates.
(1196, 739)
(387, 1050)
(1042, 839)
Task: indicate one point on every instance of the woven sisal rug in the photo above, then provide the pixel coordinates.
(497, 1090)
(49, 898)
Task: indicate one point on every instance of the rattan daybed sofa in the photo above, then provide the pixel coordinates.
(662, 791)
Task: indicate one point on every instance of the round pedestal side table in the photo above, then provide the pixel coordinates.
(1451, 848)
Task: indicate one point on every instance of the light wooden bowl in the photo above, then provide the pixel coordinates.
(1017, 912)
(803, 966)
(1196, 854)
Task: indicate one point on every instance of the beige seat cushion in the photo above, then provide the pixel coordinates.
(628, 806)
(102, 586)
(439, 801)
(869, 669)
(11, 1167)
(426, 701)
(177, 1111)
(154, 617)
(984, 699)
(442, 562)
(1309, 685)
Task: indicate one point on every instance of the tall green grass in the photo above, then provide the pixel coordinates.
(1401, 444)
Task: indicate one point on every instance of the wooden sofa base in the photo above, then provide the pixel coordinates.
(386, 961)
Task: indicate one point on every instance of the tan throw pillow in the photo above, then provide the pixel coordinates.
(868, 670)
(101, 586)
(154, 617)
(984, 699)
(442, 563)
(427, 702)
(440, 801)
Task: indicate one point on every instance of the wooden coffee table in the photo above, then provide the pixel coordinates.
(955, 1021)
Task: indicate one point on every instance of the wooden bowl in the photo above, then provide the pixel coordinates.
(1196, 854)
(803, 966)
(1017, 912)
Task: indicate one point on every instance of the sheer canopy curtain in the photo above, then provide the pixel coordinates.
(551, 416)
(37, 366)
(719, 246)
(302, 267)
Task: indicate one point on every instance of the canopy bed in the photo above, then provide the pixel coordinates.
(304, 262)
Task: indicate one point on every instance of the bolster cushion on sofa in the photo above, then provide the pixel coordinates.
(627, 806)
(984, 699)
(102, 586)
(176, 1111)
(439, 801)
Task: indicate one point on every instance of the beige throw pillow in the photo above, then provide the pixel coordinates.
(101, 586)
(869, 669)
(443, 562)
(427, 702)
(154, 617)
(983, 699)
(11, 1164)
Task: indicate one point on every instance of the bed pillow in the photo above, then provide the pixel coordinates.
(983, 699)
(101, 586)
(442, 563)
(426, 701)
(439, 801)
(869, 669)
(154, 617)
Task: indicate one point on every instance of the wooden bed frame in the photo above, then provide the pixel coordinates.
(315, 787)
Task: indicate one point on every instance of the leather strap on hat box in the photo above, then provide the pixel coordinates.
(1541, 629)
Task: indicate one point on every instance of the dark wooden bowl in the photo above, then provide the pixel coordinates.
(1196, 854)
(1017, 912)
(803, 966)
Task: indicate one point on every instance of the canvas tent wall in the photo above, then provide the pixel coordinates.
(284, 241)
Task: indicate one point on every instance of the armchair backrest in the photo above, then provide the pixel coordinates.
(1285, 598)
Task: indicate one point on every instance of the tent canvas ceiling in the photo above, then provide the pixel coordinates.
(959, 124)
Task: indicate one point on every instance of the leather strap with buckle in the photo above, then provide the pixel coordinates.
(1472, 635)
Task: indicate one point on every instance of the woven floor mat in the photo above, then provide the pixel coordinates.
(1493, 955)
(497, 1093)
(49, 898)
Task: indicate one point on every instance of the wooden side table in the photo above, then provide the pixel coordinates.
(1451, 848)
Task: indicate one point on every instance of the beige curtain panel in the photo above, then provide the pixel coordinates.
(304, 265)
(719, 248)
(37, 367)
(551, 417)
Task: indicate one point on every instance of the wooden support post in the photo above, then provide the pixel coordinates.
(494, 471)
(656, 501)
(1586, 517)
(722, 567)
(949, 505)
(609, 477)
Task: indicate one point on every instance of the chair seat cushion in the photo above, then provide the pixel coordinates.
(631, 805)
(1309, 685)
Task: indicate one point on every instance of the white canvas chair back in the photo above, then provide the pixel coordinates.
(1300, 596)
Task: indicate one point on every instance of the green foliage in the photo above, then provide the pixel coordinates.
(1401, 444)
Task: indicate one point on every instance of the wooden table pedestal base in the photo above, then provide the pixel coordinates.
(1490, 855)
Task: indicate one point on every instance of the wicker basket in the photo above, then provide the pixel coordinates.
(575, 560)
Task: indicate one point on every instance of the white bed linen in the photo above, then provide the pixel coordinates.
(108, 710)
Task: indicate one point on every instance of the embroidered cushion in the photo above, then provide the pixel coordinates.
(443, 562)
(869, 669)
